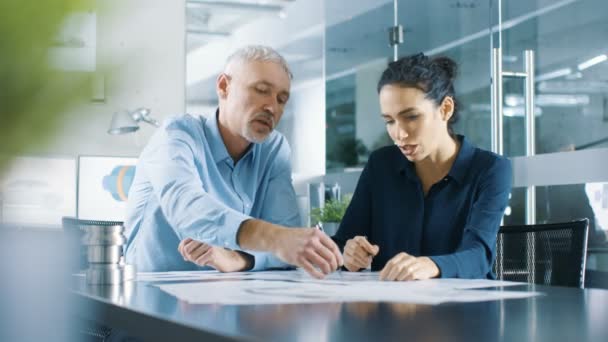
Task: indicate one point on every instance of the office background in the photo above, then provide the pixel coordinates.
(164, 55)
(337, 50)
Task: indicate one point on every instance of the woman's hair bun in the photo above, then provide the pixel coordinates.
(447, 65)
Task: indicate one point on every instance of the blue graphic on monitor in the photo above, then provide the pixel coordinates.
(119, 181)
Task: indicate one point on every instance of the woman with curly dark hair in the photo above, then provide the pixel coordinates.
(431, 205)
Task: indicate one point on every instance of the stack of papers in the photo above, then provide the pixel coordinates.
(290, 287)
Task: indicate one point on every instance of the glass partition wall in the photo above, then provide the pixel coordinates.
(549, 63)
(358, 49)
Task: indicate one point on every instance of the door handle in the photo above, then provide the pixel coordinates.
(497, 114)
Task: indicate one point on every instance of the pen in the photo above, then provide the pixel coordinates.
(369, 268)
(319, 226)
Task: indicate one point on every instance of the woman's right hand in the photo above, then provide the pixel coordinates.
(358, 253)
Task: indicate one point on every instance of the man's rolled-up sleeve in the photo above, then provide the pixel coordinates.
(279, 206)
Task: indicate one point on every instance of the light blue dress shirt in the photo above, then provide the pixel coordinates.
(186, 185)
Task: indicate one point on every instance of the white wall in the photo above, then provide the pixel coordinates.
(307, 136)
(144, 40)
(200, 109)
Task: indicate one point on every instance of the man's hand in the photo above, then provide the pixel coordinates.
(358, 253)
(222, 259)
(407, 267)
(308, 248)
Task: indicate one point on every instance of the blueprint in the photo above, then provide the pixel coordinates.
(290, 287)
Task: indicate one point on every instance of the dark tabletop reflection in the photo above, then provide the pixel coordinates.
(402, 321)
(293, 322)
(563, 314)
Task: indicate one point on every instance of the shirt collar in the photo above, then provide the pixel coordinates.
(216, 142)
(463, 160)
(459, 168)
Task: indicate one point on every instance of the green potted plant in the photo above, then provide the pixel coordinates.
(330, 215)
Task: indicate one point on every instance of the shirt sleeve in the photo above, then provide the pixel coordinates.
(475, 254)
(357, 218)
(170, 166)
(279, 206)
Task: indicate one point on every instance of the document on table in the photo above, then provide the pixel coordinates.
(286, 287)
(293, 275)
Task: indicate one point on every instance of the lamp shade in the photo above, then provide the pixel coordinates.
(123, 122)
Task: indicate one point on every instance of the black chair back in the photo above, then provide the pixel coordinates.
(546, 254)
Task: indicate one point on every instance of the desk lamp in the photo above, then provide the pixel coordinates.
(128, 121)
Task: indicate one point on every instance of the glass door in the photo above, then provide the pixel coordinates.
(550, 108)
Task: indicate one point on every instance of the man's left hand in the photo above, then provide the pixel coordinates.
(407, 267)
(222, 259)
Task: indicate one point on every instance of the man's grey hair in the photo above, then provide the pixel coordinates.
(258, 53)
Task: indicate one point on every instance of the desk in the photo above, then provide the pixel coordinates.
(563, 314)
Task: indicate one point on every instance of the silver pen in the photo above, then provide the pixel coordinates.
(319, 226)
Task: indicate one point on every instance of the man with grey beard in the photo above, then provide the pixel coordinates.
(216, 192)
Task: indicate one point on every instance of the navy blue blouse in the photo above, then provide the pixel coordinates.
(455, 224)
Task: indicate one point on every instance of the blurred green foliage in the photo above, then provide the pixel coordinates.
(332, 211)
(33, 97)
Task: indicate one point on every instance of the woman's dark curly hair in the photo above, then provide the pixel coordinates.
(433, 76)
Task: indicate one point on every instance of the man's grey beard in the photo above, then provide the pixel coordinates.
(248, 131)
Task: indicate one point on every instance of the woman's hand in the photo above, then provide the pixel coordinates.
(407, 267)
(358, 253)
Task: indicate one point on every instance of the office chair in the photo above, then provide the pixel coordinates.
(546, 254)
